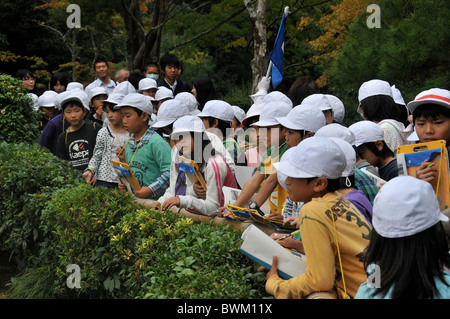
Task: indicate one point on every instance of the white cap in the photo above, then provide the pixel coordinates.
(271, 111)
(314, 157)
(366, 131)
(75, 95)
(431, 96)
(318, 100)
(99, 90)
(190, 101)
(147, 83)
(254, 110)
(125, 88)
(137, 100)
(303, 117)
(276, 96)
(114, 98)
(217, 109)
(163, 93)
(350, 156)
(338, 107)
(285, 158)
(188, 123)
(35, 100)
(405, 206)
(74, 85)
(169, 112)
(47, 99)
(337, 130)
(374, 87)
(397, 95)
(239, 113)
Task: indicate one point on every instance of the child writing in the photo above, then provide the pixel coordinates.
(192, 143)
(146, 152)
(76, 144)
(110, 138)
(431, 118)
(370, 144)
(408, 249)
(334, 233)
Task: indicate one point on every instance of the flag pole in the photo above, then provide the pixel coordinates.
(269, 68)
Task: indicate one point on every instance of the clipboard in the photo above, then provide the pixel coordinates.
(409, 157)
(191, 168)
(126, 176)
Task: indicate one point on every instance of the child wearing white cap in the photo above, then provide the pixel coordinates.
(193, 143)
(46, 106)
(76, 144)
(96, 97)
(431, 118)
(334, 233)
(302, 122)
(110, 138)
(271, 134)
(148, 87)
(376, 103)
(323, 103)
(146, 152)
(370, 145)
(407, 257)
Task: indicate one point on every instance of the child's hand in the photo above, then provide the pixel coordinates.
(121, 154)
(276, 215)
(199, 190)
(173, 201)
(156, 206)
(89, 177)
(426, 171)
(273, 270)
(122, 186)
(144, 192)
(294, 221)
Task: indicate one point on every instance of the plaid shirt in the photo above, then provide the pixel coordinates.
(366, 185)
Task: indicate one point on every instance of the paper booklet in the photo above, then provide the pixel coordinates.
(126, 176)
(260, 248)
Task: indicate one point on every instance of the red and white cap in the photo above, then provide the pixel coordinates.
(431, 96)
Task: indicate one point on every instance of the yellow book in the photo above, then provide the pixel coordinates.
(126, 176)
(191, 168)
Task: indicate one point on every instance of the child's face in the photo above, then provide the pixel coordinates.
(269, 136)
(429, 129)
(292, 137)
(299, 190)
(132, 122)
(97, 102)
(149, 92)
(171, 72)
(114, 117)
(185, 145)
(48, 112)
(58, 87)
(370, 156)
(74, 114)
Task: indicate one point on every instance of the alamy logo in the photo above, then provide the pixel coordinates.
(374, 20)
(74, 280)
(74, 20)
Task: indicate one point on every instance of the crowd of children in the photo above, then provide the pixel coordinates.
(340, 186)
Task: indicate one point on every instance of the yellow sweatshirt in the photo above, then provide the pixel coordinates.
(323, 267)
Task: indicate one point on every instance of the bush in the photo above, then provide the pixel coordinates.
(29, 174)
(18, 120)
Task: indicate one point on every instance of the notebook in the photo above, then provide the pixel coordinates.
(126, 176)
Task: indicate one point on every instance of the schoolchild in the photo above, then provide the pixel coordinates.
(302, 122)
(161, 95)
(271, 134)
(148, 87)
(190, 101)
(146, 152)
(407, 257)
(110, 138)
(322, 102)
(370, 144)
(192, 143)
(376, 104)
(76, 144)
(170, 68)
(431, 118)
(96, 97)
(334, 233)
(47, 110)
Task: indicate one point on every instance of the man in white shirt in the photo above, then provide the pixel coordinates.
(101, 68)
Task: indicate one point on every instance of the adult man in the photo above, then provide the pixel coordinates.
(101, 68)
(121, 75)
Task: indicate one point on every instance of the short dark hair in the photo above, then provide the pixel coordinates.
(222, 125)
(169, 59)
(430, 111)
(384, 153)
(333, 184)
(301, 88)
(381, 107)
(134, 79)
(101, 60)
(154, 64)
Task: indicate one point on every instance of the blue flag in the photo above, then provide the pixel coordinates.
(276, 56)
